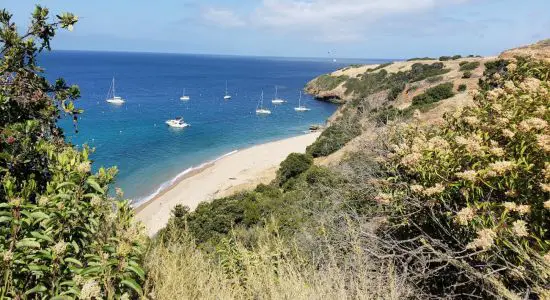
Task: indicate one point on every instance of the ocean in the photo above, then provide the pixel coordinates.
(134, 137)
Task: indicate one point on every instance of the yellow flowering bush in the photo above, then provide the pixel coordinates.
(479, 184)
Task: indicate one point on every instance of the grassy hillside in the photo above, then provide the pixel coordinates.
(426, 184)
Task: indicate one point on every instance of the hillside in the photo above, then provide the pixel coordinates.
(431, 181)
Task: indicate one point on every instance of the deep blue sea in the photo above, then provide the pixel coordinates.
(134, 137)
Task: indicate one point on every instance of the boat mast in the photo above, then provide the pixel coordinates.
(114, 87)
(226, 87)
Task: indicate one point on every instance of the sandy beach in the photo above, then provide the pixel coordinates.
(239, 171)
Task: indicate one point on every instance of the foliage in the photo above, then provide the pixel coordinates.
(434, 79)
(435, 94)
(380, 66)
(467, 74)
(474, 193)
(469, 66)
(294, 165)
(462, 88)
(420, 58)
(447, 58)
(335, 137)
(370, 83)
(62, 234)
(395, 91)
(328, 82)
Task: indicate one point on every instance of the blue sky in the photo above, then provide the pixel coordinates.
(300, 28)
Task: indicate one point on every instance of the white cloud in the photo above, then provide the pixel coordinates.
(322, 20)
(222, 17)
(335, 20)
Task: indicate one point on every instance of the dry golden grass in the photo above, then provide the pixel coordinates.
(273, 269)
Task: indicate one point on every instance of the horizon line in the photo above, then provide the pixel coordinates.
(228, 55)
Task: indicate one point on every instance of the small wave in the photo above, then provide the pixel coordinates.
(168, 184)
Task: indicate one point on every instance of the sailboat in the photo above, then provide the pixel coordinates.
(300, 106)
(227, 96)
(111, 97)
(184, 97)
(260, 108)
(277, 100)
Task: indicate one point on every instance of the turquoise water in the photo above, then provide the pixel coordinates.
(133, 136)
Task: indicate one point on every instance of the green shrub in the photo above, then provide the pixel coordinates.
(467, 74)
(497, 66)
(381, 66)
(447, 58)
(462, 88)
(420, 58)
(370, 83)
(434, 79)
(334, 138)
(395, 91)
(328, 82)
(469, 66)
(294, 165)
(435, 94)
(62, 235)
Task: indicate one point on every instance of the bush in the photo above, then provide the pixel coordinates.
(467, 74)
(334, 138)
(462, 88)
(328, 82)
(381, 66)
(469, 66)
(446, 58)
(62, 235)
(395, 91)
(420, 58)
(294, 165)
(370, 83)
(434, 79)
(435, 94)
(474, 193)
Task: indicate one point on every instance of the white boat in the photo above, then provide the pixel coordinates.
(277, 100)
(184, 97)
(260, 108)
(227, 96)
(112, 97)
(300, 106)
(177, 123)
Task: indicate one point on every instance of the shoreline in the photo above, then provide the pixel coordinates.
(189, 172)
(232, 172)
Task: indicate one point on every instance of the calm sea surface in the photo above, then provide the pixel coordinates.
(134, 137)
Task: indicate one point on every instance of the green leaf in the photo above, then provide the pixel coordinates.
(95, 185)
(36, 289)
(132, 284)
(5, 219)
(74, 261)
(38, 215)
(136, 269)
(41, 236)
(64, 184)
(29, 243)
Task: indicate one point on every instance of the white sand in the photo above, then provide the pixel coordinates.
(241, 170)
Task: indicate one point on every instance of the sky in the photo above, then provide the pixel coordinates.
(299, 28)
